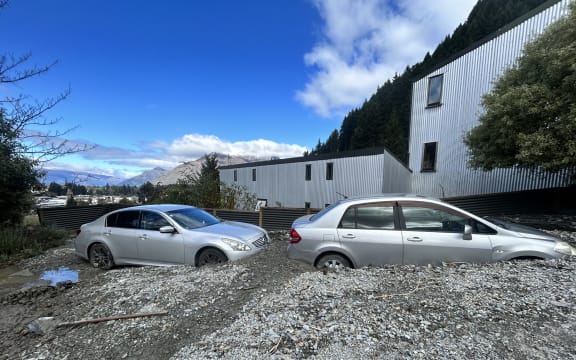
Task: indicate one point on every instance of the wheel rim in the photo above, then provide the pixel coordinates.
(333, 264)
(100, 256)
(210, 257)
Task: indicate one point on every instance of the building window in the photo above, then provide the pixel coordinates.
(308, 172)
(235, 175)
(253, 174)
(307, 205)
(435, 90)
(329, 171)
(429, 156)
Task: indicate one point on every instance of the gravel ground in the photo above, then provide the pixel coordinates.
(270, 307)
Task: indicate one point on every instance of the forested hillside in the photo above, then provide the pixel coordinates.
(384, 119)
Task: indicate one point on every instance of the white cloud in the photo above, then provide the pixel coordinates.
(365, 42)
(194, 146)
(124, 162)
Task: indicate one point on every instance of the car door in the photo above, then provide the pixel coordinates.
(121, 232)
(370, 234)
(157, 247)
(433, 234)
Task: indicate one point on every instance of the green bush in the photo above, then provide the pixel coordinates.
(26, 241)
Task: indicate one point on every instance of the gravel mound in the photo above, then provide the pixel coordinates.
(270, 307)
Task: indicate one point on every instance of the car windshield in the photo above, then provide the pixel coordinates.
(192, 218)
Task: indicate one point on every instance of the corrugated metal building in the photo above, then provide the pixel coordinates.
(446, 104)
(317, 181)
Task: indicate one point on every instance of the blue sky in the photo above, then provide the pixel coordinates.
(159, 83)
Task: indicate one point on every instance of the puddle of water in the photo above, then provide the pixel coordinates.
(13, 278)
(61, 275)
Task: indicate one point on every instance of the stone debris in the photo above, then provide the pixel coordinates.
(270, 307)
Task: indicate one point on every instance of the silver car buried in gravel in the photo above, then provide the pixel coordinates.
(166, 235)
(410, 229)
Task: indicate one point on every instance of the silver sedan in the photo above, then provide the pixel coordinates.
(166, 235)
(410, 229)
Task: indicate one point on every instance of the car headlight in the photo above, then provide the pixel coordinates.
(563, 247)
(236, 245)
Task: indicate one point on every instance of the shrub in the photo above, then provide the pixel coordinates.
(26, 241)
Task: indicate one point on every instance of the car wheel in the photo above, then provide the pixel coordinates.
(211, 256)
(333, 261)
(101, 257)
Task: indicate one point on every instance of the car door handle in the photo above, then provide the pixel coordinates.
(107, 233)
(349, 236)
(143, 237)
(415, 239)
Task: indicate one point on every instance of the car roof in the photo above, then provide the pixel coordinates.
(160, 207)
(388, 197)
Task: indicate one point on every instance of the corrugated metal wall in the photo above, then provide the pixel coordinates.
(284, 184)
(71, 217)
(466, 79)
(542, 201)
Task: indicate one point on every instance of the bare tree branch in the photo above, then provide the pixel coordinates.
(9, 72)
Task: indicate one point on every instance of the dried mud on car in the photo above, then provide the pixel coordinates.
(267, 306)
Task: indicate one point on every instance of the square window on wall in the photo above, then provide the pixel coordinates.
(435, 85)
(429, 157)
(329, 171)
(253, 174)
(308, 176)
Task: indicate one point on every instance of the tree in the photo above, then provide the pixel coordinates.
(201, 189)
(24, 147)
(18, 175)
(145, 192)
(530, 115)
(208, 183)
(235, 196)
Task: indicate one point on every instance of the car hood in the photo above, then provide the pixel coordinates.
(234, 230)
(524, 230)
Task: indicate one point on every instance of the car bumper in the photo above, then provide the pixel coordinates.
(294, 253)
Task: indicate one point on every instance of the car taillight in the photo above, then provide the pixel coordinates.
(294, 237)
(78, 232)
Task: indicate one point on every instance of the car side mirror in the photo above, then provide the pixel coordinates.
(167, 229)
(467, 232)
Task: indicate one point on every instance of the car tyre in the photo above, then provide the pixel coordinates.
(101, 257)
(211, 256)
(333, 262)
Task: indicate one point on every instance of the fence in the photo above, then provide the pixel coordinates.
(70, 218)
(270, 218)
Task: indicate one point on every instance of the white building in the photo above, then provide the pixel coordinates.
(446, 104)
(317, 181)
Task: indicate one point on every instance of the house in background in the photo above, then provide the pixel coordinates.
(317, 181)
(447, 103)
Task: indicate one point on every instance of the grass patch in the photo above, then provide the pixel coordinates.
(27, 241)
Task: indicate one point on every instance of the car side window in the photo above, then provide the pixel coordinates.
(422, 218)
(153, 221)
(377, 216)
(124, 219)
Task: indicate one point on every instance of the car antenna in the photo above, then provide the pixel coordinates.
(344, 196)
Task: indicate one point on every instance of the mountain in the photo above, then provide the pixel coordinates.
(146, 176)
(78, 177)
(193, 167)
